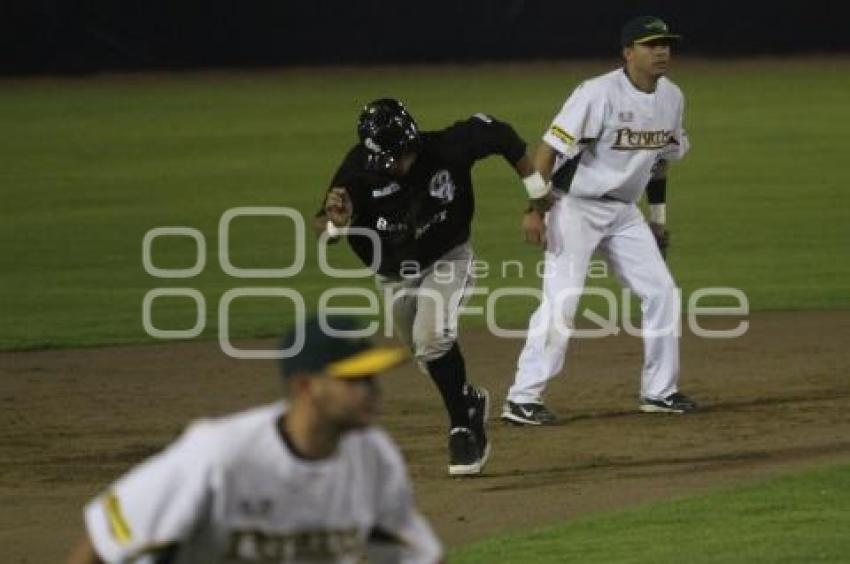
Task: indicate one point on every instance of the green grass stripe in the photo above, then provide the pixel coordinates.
(801, 518)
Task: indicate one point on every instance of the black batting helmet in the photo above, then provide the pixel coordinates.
(387, 131)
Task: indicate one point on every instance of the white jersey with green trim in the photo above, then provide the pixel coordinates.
(618, 133)
(230, 490)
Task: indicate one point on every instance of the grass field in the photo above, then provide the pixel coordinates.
(90, 165)
(800, 518)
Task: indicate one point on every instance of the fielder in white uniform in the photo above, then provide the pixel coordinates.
(304, 481)
(611, 140)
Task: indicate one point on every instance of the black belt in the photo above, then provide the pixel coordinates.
(607, 198)
(603, 197)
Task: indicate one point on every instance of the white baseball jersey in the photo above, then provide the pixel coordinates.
(230, 490)
(620, 131)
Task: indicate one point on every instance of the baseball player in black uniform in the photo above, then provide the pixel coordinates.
(414, 190)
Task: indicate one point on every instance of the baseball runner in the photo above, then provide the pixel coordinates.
(414, 190)
(612, 138)
(308, 480)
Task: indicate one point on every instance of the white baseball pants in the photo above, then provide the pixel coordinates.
(576, 228)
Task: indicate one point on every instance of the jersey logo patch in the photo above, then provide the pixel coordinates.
(562, 135)
(442, 187)
(626, 116)
(386, 190)
(630, 140)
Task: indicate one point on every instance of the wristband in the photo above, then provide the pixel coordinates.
(658, 213)
(333, 230)
(535, 185)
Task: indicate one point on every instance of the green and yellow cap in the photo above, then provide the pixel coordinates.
(643, 29)
(327, 349)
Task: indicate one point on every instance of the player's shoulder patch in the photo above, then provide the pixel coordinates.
(118, 524)
(561, 134)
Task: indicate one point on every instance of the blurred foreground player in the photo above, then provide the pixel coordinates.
(307, 480)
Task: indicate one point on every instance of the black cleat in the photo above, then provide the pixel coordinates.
(466, 457)
(674, 403)
(528, 414)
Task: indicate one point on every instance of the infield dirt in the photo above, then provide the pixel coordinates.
(774, 400)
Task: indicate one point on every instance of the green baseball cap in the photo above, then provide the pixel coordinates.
(646, 28)
(322, 346)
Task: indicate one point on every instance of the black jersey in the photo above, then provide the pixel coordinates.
(424, 214)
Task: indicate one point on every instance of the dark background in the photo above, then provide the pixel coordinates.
(79, 36)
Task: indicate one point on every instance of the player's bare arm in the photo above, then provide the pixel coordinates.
(525, 166)
(544, 160)
(540, 195)
(533, 223)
